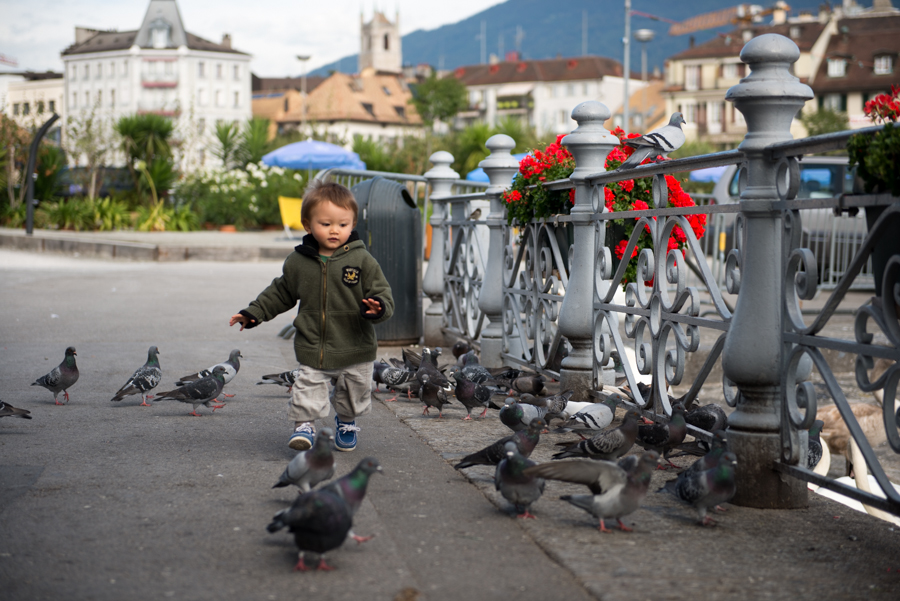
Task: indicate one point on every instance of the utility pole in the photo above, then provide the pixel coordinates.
(483, 38)
(626, 43)
(303, 58)
(520, 35)
(584, 29)
(500, 47)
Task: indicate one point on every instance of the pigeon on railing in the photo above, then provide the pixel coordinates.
(659, 142)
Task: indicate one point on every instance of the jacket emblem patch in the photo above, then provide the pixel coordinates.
(350, 276)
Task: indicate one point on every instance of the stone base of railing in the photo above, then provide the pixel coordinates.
(758, 484)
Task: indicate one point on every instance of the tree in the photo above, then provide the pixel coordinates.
(254, 140)
(14, 141)
(824, 121)
(144, 138)
(228, 138)
(439, 99)
(88, 137)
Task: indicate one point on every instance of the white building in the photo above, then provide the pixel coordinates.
(379, 44)
(541, 92)
(163, 69)
(31, 101)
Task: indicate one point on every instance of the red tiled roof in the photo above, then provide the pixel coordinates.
(859, 41)
(557, 69)
(732, 43)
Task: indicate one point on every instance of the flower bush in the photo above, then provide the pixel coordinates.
(243, 198)
(876, 157)
(637, 195)
(524, 203)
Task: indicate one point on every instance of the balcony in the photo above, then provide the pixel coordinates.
(159, 80)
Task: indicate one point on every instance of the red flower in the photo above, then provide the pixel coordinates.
(627, 185)
(620, 249)
(572, 195)
(610, 198)
(639, 205)
(512, 196)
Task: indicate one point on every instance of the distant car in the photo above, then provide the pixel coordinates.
(73, 181)
(824, 233)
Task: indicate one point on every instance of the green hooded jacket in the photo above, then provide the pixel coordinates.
(333, 330)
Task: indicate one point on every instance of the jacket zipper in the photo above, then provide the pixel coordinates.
(324, 297)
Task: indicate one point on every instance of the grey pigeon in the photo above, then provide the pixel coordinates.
(814, 453)
(433, 395)
(663, 438)
(312, 466)
(706, 489)
(616, 488)
(199, 392)
(504, 376)
(516, 416)
(711, 459)
(459, 349)
(525, 440)
(61, 377)
(232, 366)
(7, 410)
(659, 142)
(591, 419)
(471, 394)
(707, 417)
(398, 379)
(352, 488)
(144, 379)
(285, 378)
(554, 406)
(428, 368)
(319, 521)
(607, 445)
(528, 384)
(514, 484)
(473, 370)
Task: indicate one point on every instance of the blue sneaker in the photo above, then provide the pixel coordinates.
(302, 438)
(345, 439)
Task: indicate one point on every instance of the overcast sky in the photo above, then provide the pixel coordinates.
(34, 32)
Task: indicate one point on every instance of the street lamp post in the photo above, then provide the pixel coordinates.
(626, 42)
(303, 58)
(643, 36)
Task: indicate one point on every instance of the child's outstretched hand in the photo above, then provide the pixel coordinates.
(373, 305)
(238, 318)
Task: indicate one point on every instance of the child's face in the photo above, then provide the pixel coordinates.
(331, 226)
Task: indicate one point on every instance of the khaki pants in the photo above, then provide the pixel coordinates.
(351, 394)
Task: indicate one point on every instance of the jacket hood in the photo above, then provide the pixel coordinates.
(310, 246)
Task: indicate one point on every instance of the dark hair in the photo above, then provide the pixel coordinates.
(319, 192)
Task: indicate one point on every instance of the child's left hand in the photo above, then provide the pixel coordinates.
(373, 305)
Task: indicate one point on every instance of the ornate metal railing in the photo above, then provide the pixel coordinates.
(550, 286)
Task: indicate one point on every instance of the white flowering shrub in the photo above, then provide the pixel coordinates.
(246, 198)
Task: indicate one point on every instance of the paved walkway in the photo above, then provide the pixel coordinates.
(109, 501)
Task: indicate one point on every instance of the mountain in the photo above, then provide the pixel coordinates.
(549, 34)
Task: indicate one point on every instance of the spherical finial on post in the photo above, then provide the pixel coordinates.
(441, 170)
(590, 142)
(500, 166)
(770, 96)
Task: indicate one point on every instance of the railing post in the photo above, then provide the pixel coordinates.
(500, 167)
(441, 178)
(769, 99)
(589, 144)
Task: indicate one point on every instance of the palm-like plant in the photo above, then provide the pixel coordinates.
(144, 138)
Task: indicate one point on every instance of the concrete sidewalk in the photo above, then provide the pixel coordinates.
(155, 246)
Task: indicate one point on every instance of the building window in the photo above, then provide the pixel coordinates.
(112, 69)
(795, 32)
(837, 67)
(87, 72)
(26, 109)
(386, 90)
(52, 104)
(570, 89)
(201, 125)
(387, 42)
(690, 113)
(112, 98)
(99, 97)
(40, 107)
(201, 97)
(833, 102)
(15, 108)
(219, 71)
(692, 77)
(586, 88)
(563, 115)
(369, 109)
(237, 99)
(401, 111)
(74, 100)
(169, 68)
(74, 72)
(201, 69)
(99, 71)
(884, 65)
(730, 71)
(237, 72)
(159, 33)
(219, 98)
(124, 68)
(87, 99)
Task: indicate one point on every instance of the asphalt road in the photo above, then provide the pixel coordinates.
(102, 500)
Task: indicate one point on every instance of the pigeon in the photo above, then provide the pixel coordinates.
(705, 489)
(525, 440)
(516, 416)
(616, 488)
(352, 488)
(285, 378)
(607, 445)
(592, 418)
(399, 379)
(319, 520)
(708, 417)
(663, 438)
(530, 384)
(312, 466)
(473, 370)
(7, 410)
(471, 395)
(61, 377)
(459, 350)
(514, 484)
(814, 453)
(554, 406)
(199, 392)
(232, 365)
(432, 395)
(659, 142)
(711, 459)
(428, 367)
(144, 379)
(504, 376)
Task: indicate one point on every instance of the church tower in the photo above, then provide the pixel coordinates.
(380, 44)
